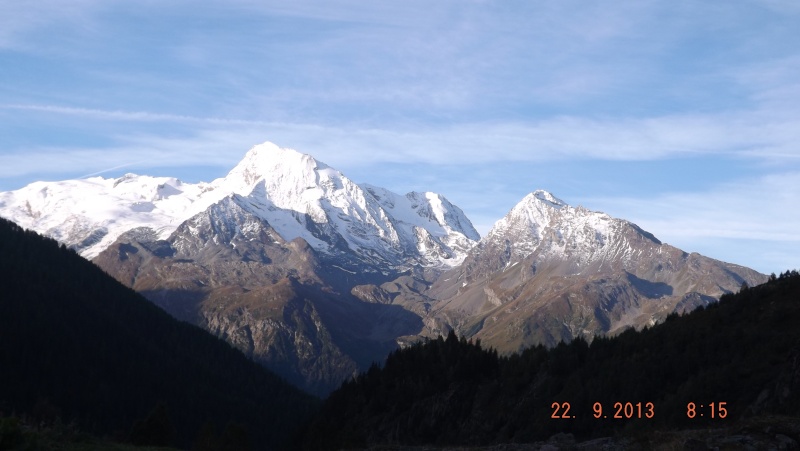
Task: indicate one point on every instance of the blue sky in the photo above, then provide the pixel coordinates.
(683, 117)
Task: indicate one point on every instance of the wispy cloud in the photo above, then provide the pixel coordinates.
(743, 135)
(440, 93)
(119, 115)
(742, 209)
(753, 217)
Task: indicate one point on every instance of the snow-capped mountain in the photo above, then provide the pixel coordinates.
(316, 276)
(302, 197)
(544, 224)
(89, 214)
(435, 223)
(548, 271)
(296, 194)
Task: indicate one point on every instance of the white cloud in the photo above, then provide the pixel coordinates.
(750, 221)
(364, 85)
(119, 115)
(760, 210)
(560, 138)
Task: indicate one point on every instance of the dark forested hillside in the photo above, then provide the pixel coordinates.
(78, 346)
(735, 360)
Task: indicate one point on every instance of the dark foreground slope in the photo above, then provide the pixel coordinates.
(76, 344)
(741, 354)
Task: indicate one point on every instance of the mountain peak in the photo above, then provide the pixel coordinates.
(547, 197)
(531, 214)
(269, 161)
(268, 152)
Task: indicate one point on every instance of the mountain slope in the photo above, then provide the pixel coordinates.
(280, 302)
(741, 354)
(76, 340)
(548, 272)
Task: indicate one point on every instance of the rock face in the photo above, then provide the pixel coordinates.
(316, 276)
(548, 272)
(280, 302)
(269, 257)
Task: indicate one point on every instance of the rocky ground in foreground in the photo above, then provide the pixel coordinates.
(763, 433)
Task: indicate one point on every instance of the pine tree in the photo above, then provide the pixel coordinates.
(155, 430)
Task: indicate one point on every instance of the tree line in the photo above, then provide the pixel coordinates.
(736, 358)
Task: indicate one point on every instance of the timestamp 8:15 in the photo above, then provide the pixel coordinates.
(715, 410)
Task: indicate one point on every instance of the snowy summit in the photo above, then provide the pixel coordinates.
(296, 194)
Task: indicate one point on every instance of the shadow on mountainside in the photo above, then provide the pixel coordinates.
(314, 338)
